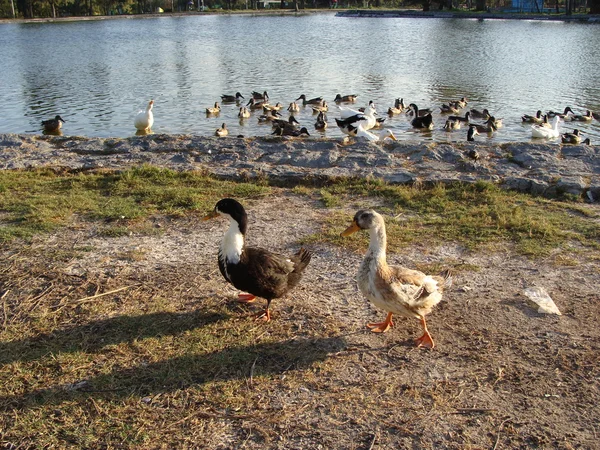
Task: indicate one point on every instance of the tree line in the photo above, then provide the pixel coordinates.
(27, 9)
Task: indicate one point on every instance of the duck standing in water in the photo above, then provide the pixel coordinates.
(145, 119)
(52, 125)
(257, 271)
(395, 289)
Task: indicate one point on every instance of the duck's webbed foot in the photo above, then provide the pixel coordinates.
(425, 340)
(382, 327)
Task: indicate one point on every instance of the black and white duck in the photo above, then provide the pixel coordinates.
(255, 270)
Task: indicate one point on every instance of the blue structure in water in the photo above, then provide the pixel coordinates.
(528, 5)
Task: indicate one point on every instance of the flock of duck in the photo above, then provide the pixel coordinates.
(261, 273)
(361, 122)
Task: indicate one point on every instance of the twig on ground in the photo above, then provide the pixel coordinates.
(499, 430)
(474, 410)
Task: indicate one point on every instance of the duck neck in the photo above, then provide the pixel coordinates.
(378, 243)
(232, 245)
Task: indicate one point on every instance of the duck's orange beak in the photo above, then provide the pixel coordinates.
(211, 215)
(351, 229)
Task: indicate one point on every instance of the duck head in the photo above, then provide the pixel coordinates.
(364, 219)
(231, 209)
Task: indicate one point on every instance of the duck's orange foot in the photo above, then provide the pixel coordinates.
(425, 341)
(265, 316)
(382, 327)
(246, 298)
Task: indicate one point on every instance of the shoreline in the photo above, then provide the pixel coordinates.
(541, 169)
(348, 12)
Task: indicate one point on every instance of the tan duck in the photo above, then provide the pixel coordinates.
(52, 125)
(394, 289)
(538, 118)
(451, 125)
(321, 123)
(244, 113)
(449, 109)
(223, 131)
(257, 271)
(214, 110)
(293, 107)
(350, 98)
(571, 138)
(587, 117)
(398, 107)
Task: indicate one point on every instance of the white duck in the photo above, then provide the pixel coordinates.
(546, 133)
(360, 132)
(394, 289)
(145, 119)
(355, 117)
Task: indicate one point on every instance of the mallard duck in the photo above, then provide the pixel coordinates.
(526, 118)
(257, 271)
(223, 131)
(476, 114)
(587, 141)
(269, 116)
(293, 107)
(144, 119)
(472, 133)
(244, 113)
(345, 98)
(394, 289)
(596, 115)
(488, 127)
(321, 123)
(52, 125)
(564, 115)
(258, 96)
(464, 118)
(449, 109)
(546, 133)
(320, 108)
(451, 125)
(587, 117)
(231, 98)
(421, 122)
(414, 109)
(255, 104)
(290, 123)
(214, 110)
(285, 131)
(360, 132)
(312, 101)
(571, 138)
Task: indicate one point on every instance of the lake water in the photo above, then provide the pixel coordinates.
(98, 74)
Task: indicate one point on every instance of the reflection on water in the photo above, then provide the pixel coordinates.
(99, 74)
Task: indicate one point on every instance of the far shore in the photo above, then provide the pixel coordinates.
(343, 12)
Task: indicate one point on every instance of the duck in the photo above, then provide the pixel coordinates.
(413, 109)
(571, 138)
(214, 110)
(587, 141)
(564, 115)
(293, 132)
(464, 118)
(231, 98)
(320, 108)
(276, 107)
(398, 107)
(449, 109)
(321, 123)
(258, 96)
(488, 127)
(476, 114)
(422, 122)
(460, 103)
(257, 271)
(244, 113)
(256, 104)
(360, 132)
(587, 117)
(312, 101)
(546, 133)
(293, 107)
(350, 98)
(472, 133)
(223, 131)
(269, 116)
(452, 125)
(290, 123)
(53, 125)
(526, 118)
(596, 115)
(144, 119)
(395, 289)
(354, 118)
